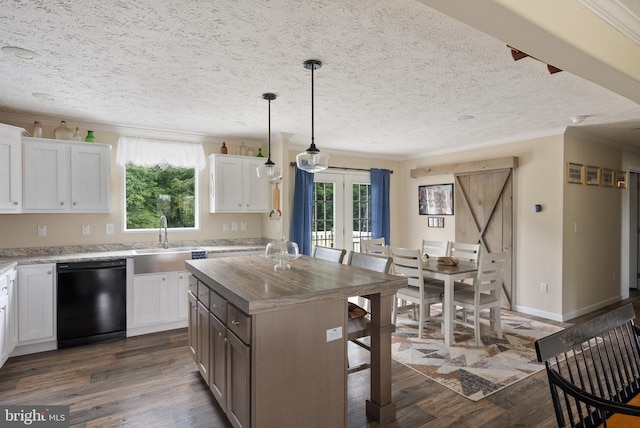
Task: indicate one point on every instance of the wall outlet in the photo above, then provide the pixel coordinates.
(544, 287)
(234, 226)
(243, 226)
(86, 229)
(334, 334)
(42, 230)
(109, 229)
(225, 227)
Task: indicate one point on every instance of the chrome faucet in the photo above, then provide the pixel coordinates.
(163, 220)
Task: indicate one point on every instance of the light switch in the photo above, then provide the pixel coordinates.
(86, 230)
(109, 230)
(42, 230)
(243, 226)
(225, 227)
(234, 226)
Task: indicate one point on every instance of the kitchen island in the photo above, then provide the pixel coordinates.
(282, 336)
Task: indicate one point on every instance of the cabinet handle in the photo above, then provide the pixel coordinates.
(15, 203)
(164, 279)
(74, 203)
(61, 203)
(220, 334)
(4, 289)
(226, 339)
(234, 322)
(215, 306)
(49, 273)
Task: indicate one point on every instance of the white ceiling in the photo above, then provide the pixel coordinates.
(397, 76)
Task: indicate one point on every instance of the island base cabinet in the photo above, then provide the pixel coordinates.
(299, 373)
(193, 328)
(238, 402)
(203, 340)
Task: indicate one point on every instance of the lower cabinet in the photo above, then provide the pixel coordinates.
(157, 302)
(36, 320)
(8, 321)
(227, 368)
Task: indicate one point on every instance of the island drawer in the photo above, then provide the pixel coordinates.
(193, 285)
(218, 306)
(203, 294)
(239, 323)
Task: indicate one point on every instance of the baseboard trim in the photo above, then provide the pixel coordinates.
(569, 315)
(155, 328)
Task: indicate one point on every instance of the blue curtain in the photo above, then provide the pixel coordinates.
(380, 217)
(301, 215)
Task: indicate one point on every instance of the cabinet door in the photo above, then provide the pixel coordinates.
(193, 327)
(150, 299)
(183, 295)
(238, 382)
(218, 360)
(202, 348)
(46, 176)
(256, 190)
(4, 306)
(35, 303)
(10, 171)
(12, 311)
(89, 178)
(225, 184)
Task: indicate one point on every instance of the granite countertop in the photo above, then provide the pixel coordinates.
(10, 258)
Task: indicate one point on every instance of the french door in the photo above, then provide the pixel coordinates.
(341, 209)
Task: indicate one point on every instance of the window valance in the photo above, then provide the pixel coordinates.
(150, 152)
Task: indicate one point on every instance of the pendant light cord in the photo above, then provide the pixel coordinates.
(313, 144)
(269, 156)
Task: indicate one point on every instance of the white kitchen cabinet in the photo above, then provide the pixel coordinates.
(36, 315)
(10, 169)
(234, 185)
(8, 322)
(157, 302)
(64, 176)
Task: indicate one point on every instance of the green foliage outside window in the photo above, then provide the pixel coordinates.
(152, 192)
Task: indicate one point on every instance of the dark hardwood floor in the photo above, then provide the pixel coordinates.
(151, 381)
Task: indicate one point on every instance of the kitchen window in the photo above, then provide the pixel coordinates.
(160, 178)
(153, 191)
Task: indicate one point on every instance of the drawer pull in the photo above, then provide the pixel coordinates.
(226, 339)
(220, 334)
(234, 322)
(215, 305)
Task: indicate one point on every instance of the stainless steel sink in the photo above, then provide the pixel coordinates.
(166, 250)
(154, 260)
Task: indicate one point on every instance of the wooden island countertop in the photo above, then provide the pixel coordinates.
(251, 284)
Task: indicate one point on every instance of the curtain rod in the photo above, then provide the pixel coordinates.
(345, 168)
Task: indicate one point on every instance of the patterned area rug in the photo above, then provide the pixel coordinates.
(473, 372)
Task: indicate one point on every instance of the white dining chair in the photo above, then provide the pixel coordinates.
(420, 296)
(374, 246)
(436, 249)
(468, 253)
(485, 294)
(329, 254)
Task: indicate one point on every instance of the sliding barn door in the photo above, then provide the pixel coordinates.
(484, 214)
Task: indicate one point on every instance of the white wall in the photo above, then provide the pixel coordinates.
(537, 236)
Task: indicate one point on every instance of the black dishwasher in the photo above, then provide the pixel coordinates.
(91, 302)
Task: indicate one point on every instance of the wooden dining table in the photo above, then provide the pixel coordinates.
(449, 275)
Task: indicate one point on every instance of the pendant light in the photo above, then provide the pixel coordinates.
(269, 170)
(312, 160)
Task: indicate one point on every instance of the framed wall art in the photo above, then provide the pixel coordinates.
(435, 199)
(436, 222)
(592, 175)
(574, 173)
(607, 177)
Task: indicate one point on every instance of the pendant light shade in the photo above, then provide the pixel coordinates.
(312, 160)
(269, 171)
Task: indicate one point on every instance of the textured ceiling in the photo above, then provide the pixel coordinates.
(397, 76)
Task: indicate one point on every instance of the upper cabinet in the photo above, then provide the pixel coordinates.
(234, 185)
(10, 169)
(64, 176)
